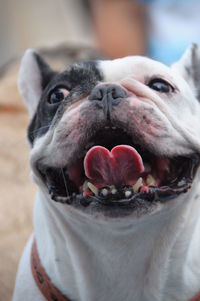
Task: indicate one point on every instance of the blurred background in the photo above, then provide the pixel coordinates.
(160, 29)
(64, 31)
(25, 24)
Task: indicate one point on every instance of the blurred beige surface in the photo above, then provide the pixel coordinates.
(46, 23)
(16, 189)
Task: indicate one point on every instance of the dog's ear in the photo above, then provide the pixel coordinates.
(34, 75)
(189, 67)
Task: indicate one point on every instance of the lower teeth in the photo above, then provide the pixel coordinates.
(111, 190)
(93, 188)
(137, 185)
(104, 192)
(114, 191)
(128, 193)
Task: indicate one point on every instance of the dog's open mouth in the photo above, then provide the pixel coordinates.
(113, 171)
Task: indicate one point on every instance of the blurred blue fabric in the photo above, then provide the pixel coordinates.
(172, 26)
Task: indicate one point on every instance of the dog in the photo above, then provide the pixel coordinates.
(115, 148)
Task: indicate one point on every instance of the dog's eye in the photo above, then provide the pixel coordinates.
(160, 85)
(57, 95)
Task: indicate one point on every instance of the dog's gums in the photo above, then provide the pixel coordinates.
(115, 171)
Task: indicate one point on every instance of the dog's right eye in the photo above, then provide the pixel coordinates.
(57, 95)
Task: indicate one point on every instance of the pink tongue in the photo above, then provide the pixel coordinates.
(122, 165)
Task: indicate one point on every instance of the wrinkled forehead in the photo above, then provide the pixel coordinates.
(90, 73)
(136, 66)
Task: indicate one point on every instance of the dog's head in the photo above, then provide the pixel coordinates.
(116, 136)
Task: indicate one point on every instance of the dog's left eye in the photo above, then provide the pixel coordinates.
(57, 95)
(160, 85)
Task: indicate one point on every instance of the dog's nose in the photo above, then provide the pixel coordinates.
(106, 96)
(114, 92)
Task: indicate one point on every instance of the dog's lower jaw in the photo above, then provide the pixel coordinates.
(89, 259)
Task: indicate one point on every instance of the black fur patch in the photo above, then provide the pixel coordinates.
(79, 79)
(46, 72)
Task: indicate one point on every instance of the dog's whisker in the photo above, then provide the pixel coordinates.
(65, 182)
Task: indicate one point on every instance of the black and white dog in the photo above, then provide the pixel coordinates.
(115, 151)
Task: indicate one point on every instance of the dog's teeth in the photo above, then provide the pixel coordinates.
(181, 183)
(104, 191)
(93, 188)
(113, 127)
(137, 185)
(150, 180)
(113, 190)
(106, 127)
(85, 186)
(128, 193)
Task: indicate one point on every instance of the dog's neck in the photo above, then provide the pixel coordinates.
(89, 259)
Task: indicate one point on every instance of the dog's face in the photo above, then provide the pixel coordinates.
(116, 136)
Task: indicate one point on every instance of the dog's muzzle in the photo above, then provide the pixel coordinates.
(112, 166)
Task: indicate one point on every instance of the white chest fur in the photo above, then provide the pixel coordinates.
(93, 259)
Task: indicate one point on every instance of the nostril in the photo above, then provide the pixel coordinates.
(96, 94)
(118, 92)
(99, 94)
(114, 92)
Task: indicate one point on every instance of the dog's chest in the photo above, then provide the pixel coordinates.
(103, 262)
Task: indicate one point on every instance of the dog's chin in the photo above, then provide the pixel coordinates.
(148, 180)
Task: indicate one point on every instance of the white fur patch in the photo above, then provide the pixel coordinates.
(189, 67)
(29, 82)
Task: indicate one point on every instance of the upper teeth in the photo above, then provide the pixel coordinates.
(150, 180)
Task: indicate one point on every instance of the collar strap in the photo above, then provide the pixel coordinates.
(49, 291)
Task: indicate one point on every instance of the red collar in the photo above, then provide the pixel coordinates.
(49, 291)
(196, 297)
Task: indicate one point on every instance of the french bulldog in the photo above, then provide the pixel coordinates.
(115, 152)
